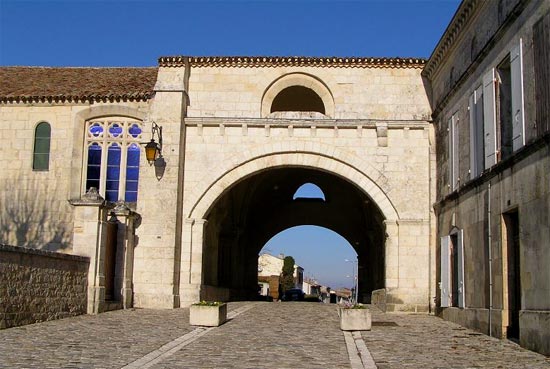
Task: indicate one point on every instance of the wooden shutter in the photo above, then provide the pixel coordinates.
(455, 152)
(473, 148)
(489, 119)
(541, 49)
(460, 271)
(516, 70)
(480, 151)
(445, 284)
(450, 153)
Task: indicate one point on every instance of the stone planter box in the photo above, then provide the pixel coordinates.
(355, 319)
(208, 316)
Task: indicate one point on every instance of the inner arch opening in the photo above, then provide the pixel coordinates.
(298, 98)
(319, 251)
(250, 213)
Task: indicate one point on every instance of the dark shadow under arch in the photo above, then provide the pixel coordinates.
(245, 217)
(298, 98)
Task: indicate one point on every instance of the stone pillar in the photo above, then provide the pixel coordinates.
(185, 260)
(196, 251)
(191, 261)
(392, 254)
(89, 240)
(126, 243)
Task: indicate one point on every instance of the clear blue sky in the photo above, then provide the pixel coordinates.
(136, 33)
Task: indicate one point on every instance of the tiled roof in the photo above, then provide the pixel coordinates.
(292, 61)
(46, 84)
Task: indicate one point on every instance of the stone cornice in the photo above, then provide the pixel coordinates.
(290, 61)
(321, 123)
(463, 14)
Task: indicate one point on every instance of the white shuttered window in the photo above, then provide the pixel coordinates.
(518, 125)
(503, 108)
(477, 151)
(454, 178)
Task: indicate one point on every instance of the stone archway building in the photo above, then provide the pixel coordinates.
(358, 125)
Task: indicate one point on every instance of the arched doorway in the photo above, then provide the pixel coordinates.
(243, 218)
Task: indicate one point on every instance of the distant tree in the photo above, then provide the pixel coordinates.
(287, 276)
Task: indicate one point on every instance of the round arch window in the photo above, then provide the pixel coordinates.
(298, 98)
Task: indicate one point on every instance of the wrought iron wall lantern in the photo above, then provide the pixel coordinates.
(153, 149)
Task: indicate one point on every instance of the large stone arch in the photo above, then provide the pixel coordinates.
(315, 160)
(205, 198)
(298, 79)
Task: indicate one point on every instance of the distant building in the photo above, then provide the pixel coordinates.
(269, 271)
(311, 287)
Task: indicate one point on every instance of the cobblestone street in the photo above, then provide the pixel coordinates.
(261, 335)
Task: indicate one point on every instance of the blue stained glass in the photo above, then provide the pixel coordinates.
(113, 172)
(114, 155)
(132, 173)
(94, 166)
(135, 131)
(96, 129)
(133, 155)
(115, 130)
(131, 186)
(111, 186)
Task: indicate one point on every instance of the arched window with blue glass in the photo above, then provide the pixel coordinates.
(41, 152)
(112, 158)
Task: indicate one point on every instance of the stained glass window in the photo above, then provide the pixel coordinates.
(112, 157)
(132, 173)
(113, 173)
(41, 153)
(94, 166)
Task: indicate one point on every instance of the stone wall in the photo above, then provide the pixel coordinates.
(40, 285)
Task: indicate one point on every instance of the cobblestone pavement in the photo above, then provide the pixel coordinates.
(270, 335)
(424, 341)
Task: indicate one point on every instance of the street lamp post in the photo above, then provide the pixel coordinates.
(356, 277)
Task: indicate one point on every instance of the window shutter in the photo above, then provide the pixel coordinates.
(473, 148)
(489, 121)
(445, 284)
(541, 50)
(450, 152)
(480, 152)
(455, 152)
(516, 69)
(460, 271)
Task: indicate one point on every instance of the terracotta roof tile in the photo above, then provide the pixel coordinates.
(42, 84)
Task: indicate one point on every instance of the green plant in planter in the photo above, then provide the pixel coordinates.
(208, 303)
(349, 305)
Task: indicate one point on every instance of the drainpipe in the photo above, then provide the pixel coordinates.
(490, 254)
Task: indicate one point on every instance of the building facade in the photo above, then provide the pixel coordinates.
(490, 94)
